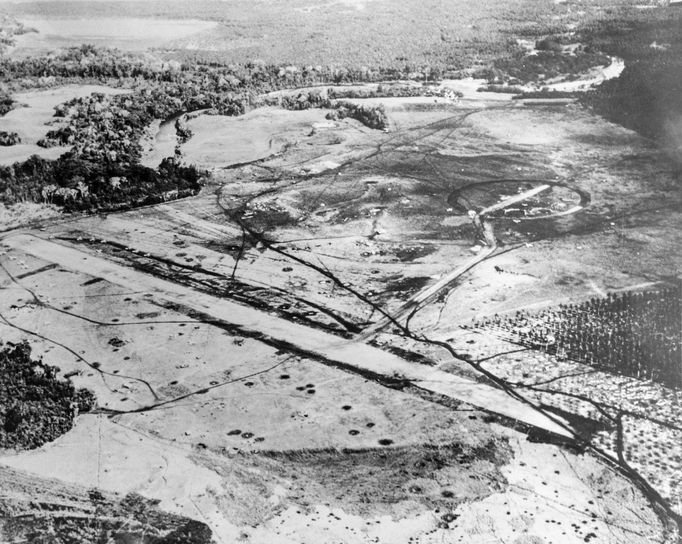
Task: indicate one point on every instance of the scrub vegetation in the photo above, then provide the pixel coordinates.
(36, 405)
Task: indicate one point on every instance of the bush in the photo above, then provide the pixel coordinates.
(9, 138)
(6, 103)
(548, 44)
(370, 116)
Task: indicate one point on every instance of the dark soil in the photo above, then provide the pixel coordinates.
(411, 253)
(406, 286)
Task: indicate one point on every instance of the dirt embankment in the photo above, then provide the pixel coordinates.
(31, 508)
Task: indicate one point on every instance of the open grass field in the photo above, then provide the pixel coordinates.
(224, 141)
(126, 34)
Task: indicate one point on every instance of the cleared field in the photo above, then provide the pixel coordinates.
(124, 33)
(220, 140)
(275, 331)
(21, 152)
(249, 497)
(254, 440)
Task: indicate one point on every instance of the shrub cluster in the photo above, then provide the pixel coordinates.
(9, 138)
(35, 405)
(83, 184)
(370, 116)
(6, 103)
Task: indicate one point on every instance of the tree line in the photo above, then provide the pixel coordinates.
(102, 170)
(76, 183)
